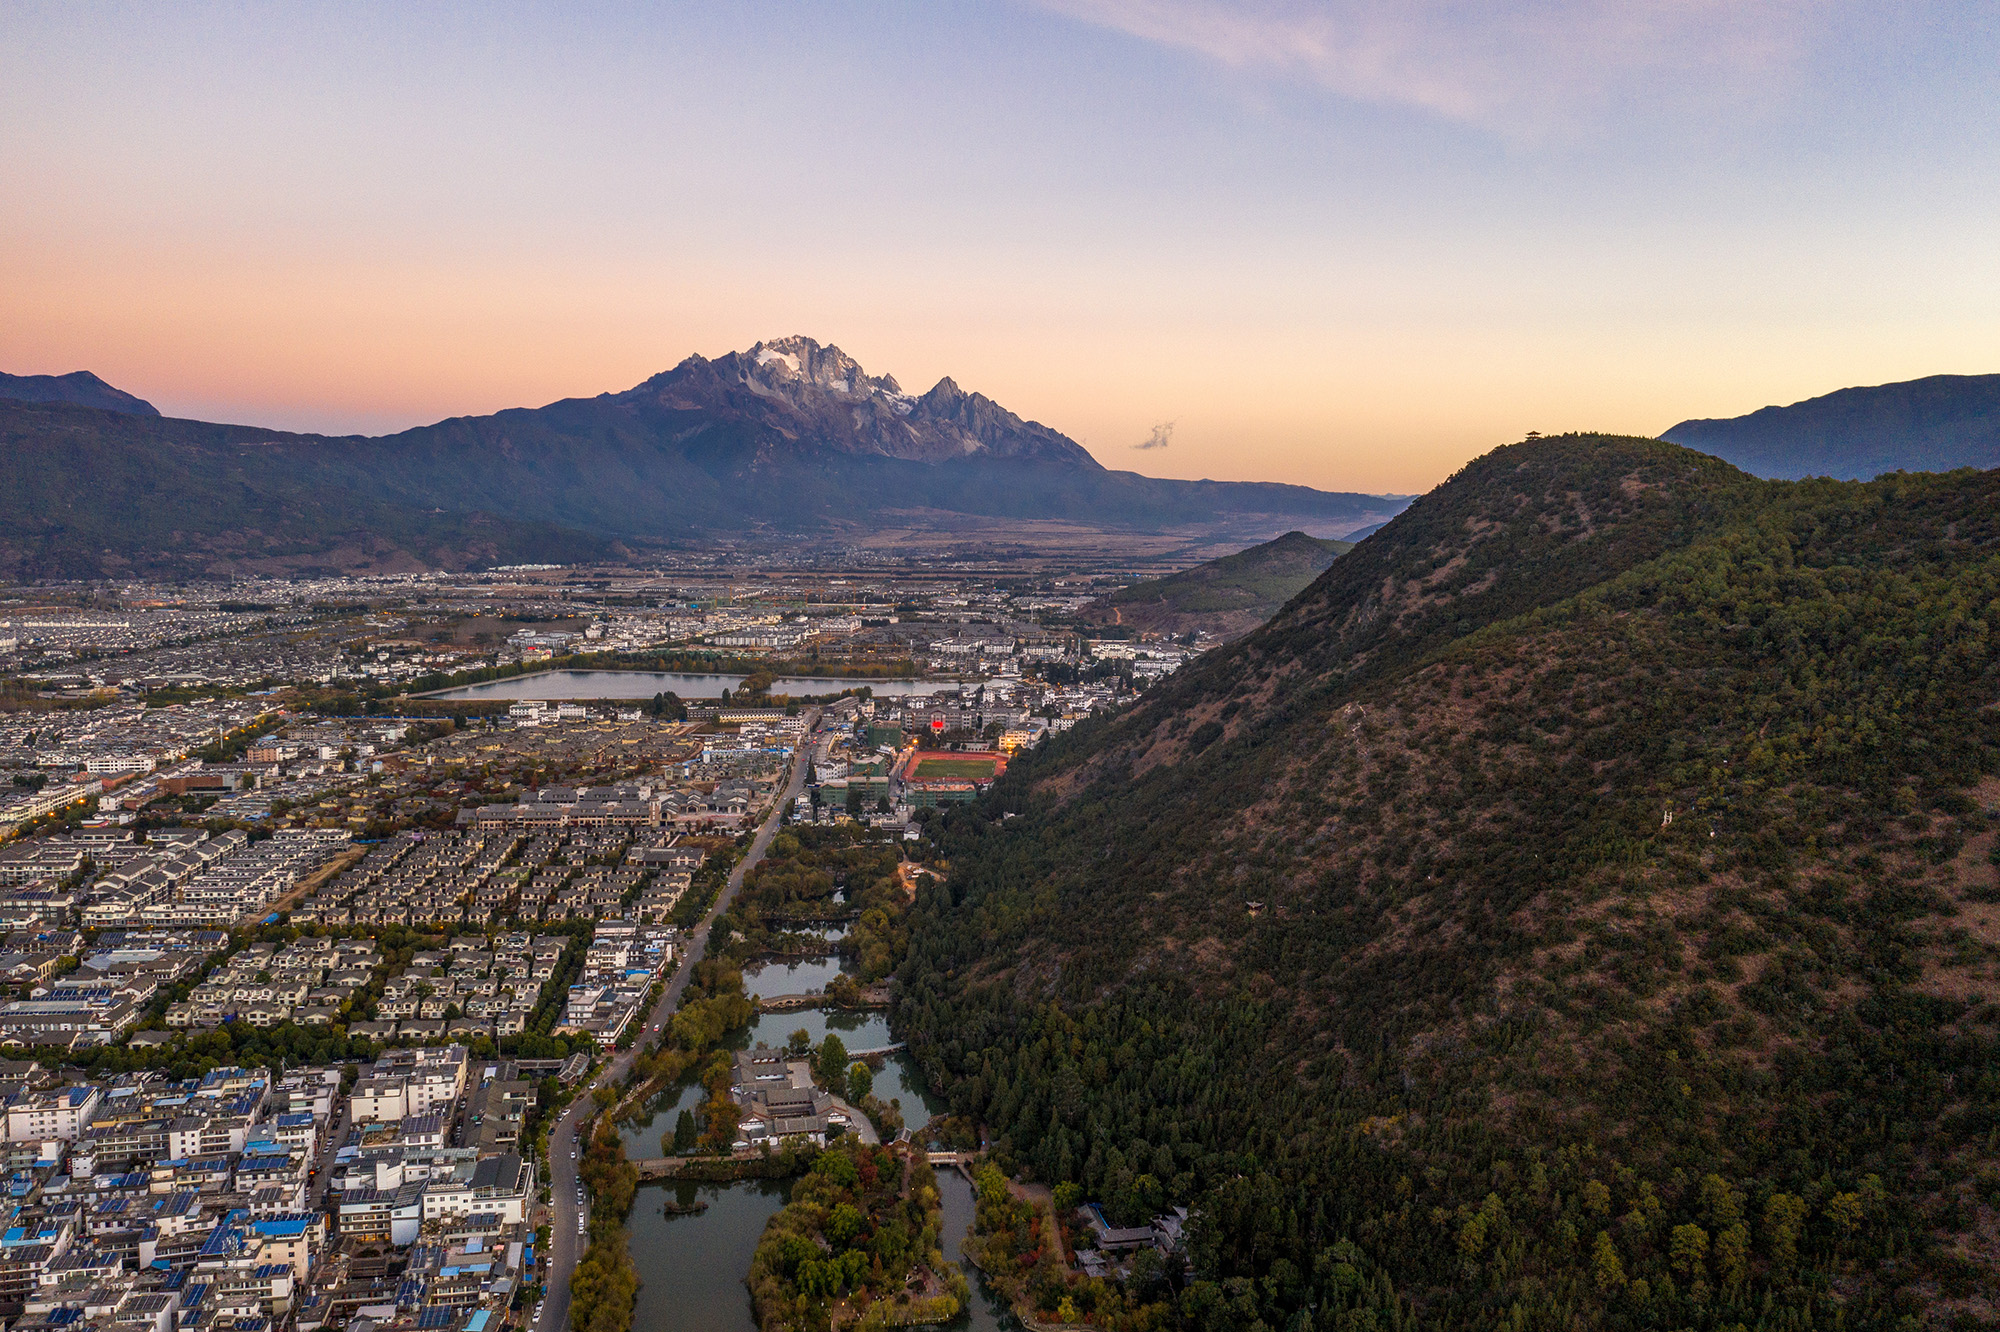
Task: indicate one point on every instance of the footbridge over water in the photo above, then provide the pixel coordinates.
(963, 1162)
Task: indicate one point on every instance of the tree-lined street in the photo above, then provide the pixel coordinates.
(565, 1239)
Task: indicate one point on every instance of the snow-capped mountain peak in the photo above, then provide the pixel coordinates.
(815, 394)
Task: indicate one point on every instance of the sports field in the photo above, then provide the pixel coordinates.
(953, 770)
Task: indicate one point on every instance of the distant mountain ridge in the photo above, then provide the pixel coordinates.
(79, 388)
(1936, 424)
(92, 493)
(790, 440)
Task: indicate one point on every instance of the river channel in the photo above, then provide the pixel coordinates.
(547, 685)
(693, 1266)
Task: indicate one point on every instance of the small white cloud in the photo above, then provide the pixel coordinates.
(1521, 67)
(1161, 436)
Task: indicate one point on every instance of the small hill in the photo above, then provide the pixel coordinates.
(1580, 907)
(79, 389)
(1227, 597)
(1922, 425)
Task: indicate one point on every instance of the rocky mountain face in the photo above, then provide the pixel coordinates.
(1922, 425)
(803, 392)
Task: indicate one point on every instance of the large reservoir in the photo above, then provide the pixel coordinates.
(549, 685)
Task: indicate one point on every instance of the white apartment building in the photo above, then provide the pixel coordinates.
(58, 1115)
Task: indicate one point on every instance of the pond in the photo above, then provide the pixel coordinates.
(546, 685)
(898, 1081)
(802, 977)
(693, 1266)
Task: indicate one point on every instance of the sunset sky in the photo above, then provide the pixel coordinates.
(1348, 245)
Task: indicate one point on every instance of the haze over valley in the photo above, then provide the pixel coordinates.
(1138, 665)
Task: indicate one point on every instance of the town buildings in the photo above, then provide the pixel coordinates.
(147, 1202)
(624, 961)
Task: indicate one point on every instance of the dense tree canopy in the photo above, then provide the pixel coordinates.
(1574, 908)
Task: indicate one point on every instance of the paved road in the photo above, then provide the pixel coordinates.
(565, 1243)
(336, 1133)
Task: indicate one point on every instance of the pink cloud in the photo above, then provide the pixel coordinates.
(1525, 69)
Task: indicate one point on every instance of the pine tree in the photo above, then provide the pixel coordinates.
(1606, 1267)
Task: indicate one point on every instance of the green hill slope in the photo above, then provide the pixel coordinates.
(1594, 857)
(1227, 597)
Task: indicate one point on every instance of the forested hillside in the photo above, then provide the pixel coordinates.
(1577, 908)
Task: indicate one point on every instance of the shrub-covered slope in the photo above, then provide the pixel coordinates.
(1576, 908)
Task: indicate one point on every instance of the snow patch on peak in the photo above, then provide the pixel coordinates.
(765, 355)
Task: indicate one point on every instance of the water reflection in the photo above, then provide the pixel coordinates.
(986, 1310)
(771, 979)
(693, 1266)
(642, 1132)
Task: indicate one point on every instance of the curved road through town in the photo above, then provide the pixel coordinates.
(565, 1242)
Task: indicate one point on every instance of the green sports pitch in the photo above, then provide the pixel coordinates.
(953, 770)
